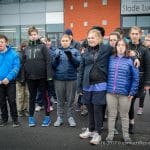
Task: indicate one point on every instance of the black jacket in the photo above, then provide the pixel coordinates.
(144, 56)
(37, 61)
(87, 63)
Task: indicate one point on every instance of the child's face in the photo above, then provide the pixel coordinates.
(112, 40)
(93, 39)
(33, 36)
(121, 48)
(65, 42)
(3, 44)
(135, 36)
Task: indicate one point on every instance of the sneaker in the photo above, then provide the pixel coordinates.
(96, 139)
(3, 123)
(51, 108)
(46, 121)
(16, 124)
(58, 122)
(127, 140)
(116, 131)
(71, 122)
(38, 108)
(140, 111)
(84, 112)
(31, 122)
(86, 134)
(109, 138)
(20, 113)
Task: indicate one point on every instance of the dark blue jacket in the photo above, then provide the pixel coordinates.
(9, 64)
(123, 77)
(65, 69)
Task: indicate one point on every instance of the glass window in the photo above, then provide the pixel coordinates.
(143, 21)
(128, 21)
(24, 31)
(13, 34)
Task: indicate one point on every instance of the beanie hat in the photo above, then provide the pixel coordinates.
(68, 32)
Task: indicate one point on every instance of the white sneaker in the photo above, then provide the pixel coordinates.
(140, 111)
(86, 134)
(38, 108)
(51, 108)
(96, 139)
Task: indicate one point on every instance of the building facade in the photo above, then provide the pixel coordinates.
(52, 17)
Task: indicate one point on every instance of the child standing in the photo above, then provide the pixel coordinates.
(22, 93)
(122, 85)
(66, 61)
(37, 70)
(9, 68)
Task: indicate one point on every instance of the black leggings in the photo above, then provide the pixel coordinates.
(95, 114)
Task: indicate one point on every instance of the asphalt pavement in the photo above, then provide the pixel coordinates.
(67, 138)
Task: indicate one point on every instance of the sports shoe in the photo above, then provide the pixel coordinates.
(71, 122)
(31, 122)
(84, 112)
(46, 121)
(109, 138)
(51, 108)
(86, 134)
(140, 111)
(127, 140)
(58, 122)
(3, 123)
(96, 139)
(16, 124)
(38, 108)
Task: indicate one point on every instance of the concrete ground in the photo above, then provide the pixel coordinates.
(67, 138)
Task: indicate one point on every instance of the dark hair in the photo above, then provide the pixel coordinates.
(126, 45)
(3, 37)
(48, 39)
(120, 31)
(23, 45)
(68, 32)
(101, 29)
(115, 33)
(32, 29)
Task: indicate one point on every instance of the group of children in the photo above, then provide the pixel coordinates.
(108, 74)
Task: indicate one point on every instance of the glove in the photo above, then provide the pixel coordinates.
(57, 58)
(69, 54)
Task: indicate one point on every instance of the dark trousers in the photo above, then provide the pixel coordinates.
(33, 86)
(8, 93)
(141, 95)
(95, 114)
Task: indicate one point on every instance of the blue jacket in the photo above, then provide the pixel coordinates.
(9, 64)
(123, 77)
(65, 69)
